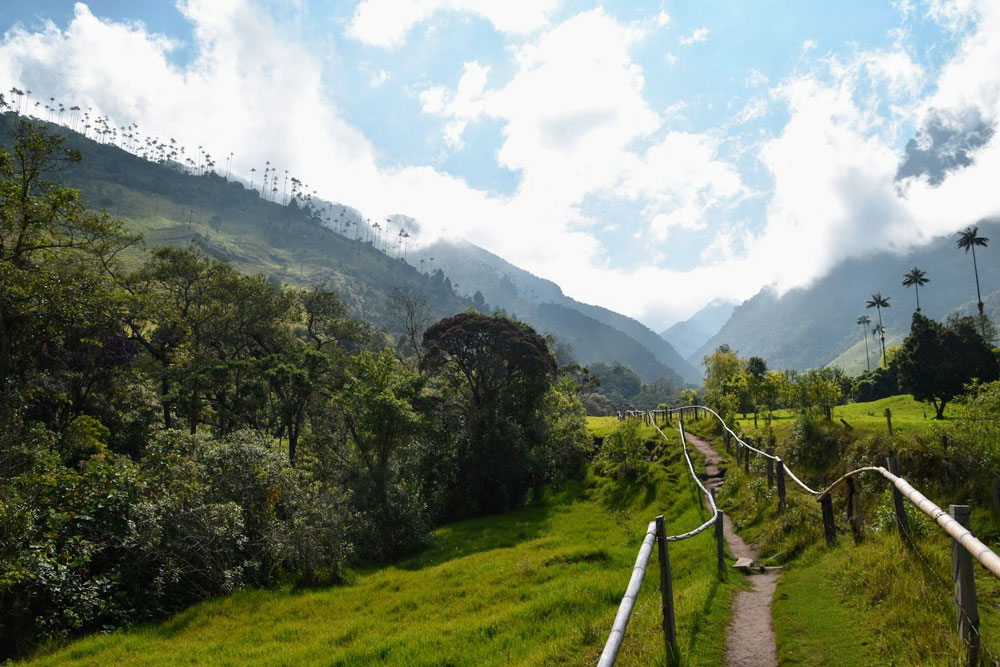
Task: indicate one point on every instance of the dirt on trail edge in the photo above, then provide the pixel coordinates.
(750, 638)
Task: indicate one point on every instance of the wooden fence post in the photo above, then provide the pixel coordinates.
(720, 539)
(746, 458)
(888, 420)
(781, 485)
(853, 508)
(667, 594)
(902, 523)
(965, 588)
(770, 468)
(728, 447)
(829, 527)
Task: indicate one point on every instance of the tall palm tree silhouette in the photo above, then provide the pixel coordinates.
(879, 302)
(916, 279)
(968, 240)
(863, 322)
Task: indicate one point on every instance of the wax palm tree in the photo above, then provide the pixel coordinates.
(878, 332)
(967, 240)
(864, 321)
(879, 302)
(916, 279)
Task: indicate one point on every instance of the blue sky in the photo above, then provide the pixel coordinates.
(626, 150)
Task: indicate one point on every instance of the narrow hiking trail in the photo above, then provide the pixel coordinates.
(750, 640)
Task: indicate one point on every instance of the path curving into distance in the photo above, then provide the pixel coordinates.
(750, 640)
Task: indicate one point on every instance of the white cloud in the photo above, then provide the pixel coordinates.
(378, 78)
(755, 108)
(756, 78)
(681, 178)
(696, 36)
(663, 18)
(385, 23)
(809, 45)
(462, 106)
(569, 113)
(574, 123)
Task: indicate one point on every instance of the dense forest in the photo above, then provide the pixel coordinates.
(175, 428)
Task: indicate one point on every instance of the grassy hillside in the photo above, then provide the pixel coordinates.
(908, 416)
(170, 207)
(882, 601)
(540, 585)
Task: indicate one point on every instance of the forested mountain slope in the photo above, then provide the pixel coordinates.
(690, 334)
(595, 333)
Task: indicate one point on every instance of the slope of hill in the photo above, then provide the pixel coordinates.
(535, 299)
(593, 341)
(813, 326)
(692, 333)
(230, 221)
(536, 586)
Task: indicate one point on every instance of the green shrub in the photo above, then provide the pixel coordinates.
(623, 450)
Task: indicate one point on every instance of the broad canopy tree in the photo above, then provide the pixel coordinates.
(938, 360)
(502, 370)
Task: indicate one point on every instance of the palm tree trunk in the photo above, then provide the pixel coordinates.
(916, 288)
(975, 268)
(881, 334)
(868, 358)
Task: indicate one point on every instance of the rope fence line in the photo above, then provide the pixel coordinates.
(982, 553)
(614, 643)
(973, 624)
(655, 532)
(964, 595)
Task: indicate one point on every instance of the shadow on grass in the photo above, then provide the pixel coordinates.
(499, 531)
(700, 614)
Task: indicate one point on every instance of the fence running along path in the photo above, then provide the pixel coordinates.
(656, 532)
(954, 523)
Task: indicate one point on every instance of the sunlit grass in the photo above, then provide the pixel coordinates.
(908, 416)
(878, 602)
(539, 585)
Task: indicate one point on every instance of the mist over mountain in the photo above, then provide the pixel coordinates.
(816, 325)
(690, 334)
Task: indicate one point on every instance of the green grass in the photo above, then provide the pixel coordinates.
(601, 427)
(878, 602)
(540, 585)
(814, 623)
(908, 416)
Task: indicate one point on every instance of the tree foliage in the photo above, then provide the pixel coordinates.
(181, 429)
(938, 360)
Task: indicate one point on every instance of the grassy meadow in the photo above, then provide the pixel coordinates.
(908, 416)
(875, 602)
(539, 585)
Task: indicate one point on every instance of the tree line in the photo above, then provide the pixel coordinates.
(175, 429)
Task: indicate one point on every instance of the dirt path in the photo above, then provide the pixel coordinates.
(750, 639)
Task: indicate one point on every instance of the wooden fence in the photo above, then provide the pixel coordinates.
(955, 522)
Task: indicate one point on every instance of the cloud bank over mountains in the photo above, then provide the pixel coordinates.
(854, 150)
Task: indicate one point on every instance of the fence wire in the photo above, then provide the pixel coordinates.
(947, 597)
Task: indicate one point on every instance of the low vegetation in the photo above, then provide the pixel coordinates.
(874, 601)
(535, 585)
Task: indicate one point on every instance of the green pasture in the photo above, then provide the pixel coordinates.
(908, 416)
(536, 586)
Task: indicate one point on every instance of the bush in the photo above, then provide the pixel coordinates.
(815, 442)
(623, 450)
(112, 542)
